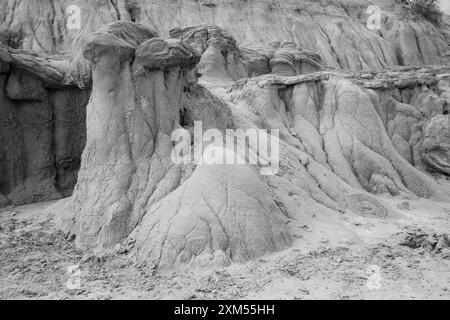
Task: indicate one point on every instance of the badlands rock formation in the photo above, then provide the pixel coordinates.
(335, 29)
(360, 119)
(436, 144)
(344, 137)
(42, 129)
(127, 182)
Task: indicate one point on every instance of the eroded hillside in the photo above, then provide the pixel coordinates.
(362, 118)
(336, 29)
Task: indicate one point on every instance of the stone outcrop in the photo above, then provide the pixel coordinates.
(347, 125)
(436, 144)
(218, 50)
(118, 38)
(346, 136)
(162, 54)
(222, 61)
(42, 128)
(288, 60)
(283, 59)
(336, 29)
(128, 184)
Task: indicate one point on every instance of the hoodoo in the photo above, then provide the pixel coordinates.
(355, 117)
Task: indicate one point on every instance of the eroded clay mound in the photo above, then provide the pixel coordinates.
(337, 30)
(222, 61)
(128, 182)
(436, 144)
(338, 130)
(344, 138)
(220, 213)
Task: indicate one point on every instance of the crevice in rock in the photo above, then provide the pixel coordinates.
(116, 9)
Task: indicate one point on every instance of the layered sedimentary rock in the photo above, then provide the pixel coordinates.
(285, 59)
(128, 184)
(218, 51)
(42, 130)
(289, 60)
(345, 136)
(337, 30)
(223, 62)
(343, 128)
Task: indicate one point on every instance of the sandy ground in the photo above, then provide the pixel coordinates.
(335, 256)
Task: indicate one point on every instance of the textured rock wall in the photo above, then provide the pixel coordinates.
(128, 185)
(42, 134)
(347, 130)
(345, 138)
(436, 144)
(334, 29)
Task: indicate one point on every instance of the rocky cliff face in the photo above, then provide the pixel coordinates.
(345, 138)
(349, 138)
(141, 86)
(336, 29)
(42, 130)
